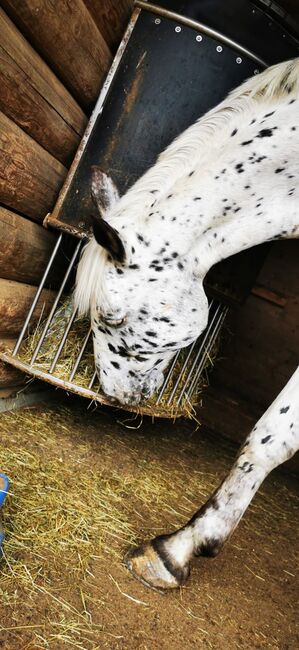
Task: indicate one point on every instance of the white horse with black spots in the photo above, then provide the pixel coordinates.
(229, 182)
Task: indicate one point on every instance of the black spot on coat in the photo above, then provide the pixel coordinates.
(266, 439)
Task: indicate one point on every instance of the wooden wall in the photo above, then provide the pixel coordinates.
(260, 347)
(53, 59)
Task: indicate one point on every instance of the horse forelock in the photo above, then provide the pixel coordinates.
(90, 277)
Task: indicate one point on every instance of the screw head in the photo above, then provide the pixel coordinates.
(157, 21)
(199, 38)
(177, 29)
(238, 59)
(219, 48)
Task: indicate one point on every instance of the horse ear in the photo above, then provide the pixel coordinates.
(103, 190)
(108, 238)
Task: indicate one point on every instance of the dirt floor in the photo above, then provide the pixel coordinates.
(84, 488)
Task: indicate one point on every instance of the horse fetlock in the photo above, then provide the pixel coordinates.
(209, 547)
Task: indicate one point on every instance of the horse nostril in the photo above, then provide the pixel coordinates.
(146, 392)
(131, 398)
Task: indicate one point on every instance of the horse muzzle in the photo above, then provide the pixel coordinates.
(134, 391)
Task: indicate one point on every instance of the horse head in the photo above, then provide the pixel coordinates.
(141, 290)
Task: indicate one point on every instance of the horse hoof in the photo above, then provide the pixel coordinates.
(148, 567)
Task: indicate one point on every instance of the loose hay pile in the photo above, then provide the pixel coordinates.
(86, 368)
(62, 517)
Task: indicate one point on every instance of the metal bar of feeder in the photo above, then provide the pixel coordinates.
(177, 383)
(181, 374)
(210, 344)
(80, 355)
(199, 351)
(201, 27)
(171, 368)
(168, 377)
(187, 395)
(54, 218)
(202, 362)
(52, 312)
(37, 296)
(63, 340)
(91, 383)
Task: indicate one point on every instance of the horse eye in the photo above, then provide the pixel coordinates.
(114, 322)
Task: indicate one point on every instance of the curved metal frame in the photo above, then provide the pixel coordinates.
(200, 27)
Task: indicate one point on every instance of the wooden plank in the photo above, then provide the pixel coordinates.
(41, 76)
(30, 178)
(33, 97)
(66, 36)
(9, 376)
(15, 301)
(111, 18)
(25, 248)
(268, 295)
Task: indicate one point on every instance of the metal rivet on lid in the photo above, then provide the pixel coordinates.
(199, 38)
(157, 21)
(178, 29)
(238, 59)
(219, 48)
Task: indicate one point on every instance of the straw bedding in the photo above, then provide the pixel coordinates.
(83, 489)
(61, 515)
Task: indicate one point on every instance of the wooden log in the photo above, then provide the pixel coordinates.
(25, 248)
(33, 97)
(9, 376)
(30, 178)
(111, 18)
(15, 301)
(66, 36)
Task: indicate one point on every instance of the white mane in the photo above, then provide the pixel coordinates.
(190, 147)
(187, 151)
(89, 281)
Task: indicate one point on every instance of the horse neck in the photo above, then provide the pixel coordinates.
(179, 158)
(249, 220)
(215, 211)
(246, 194)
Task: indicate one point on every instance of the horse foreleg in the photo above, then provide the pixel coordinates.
(164, 562)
